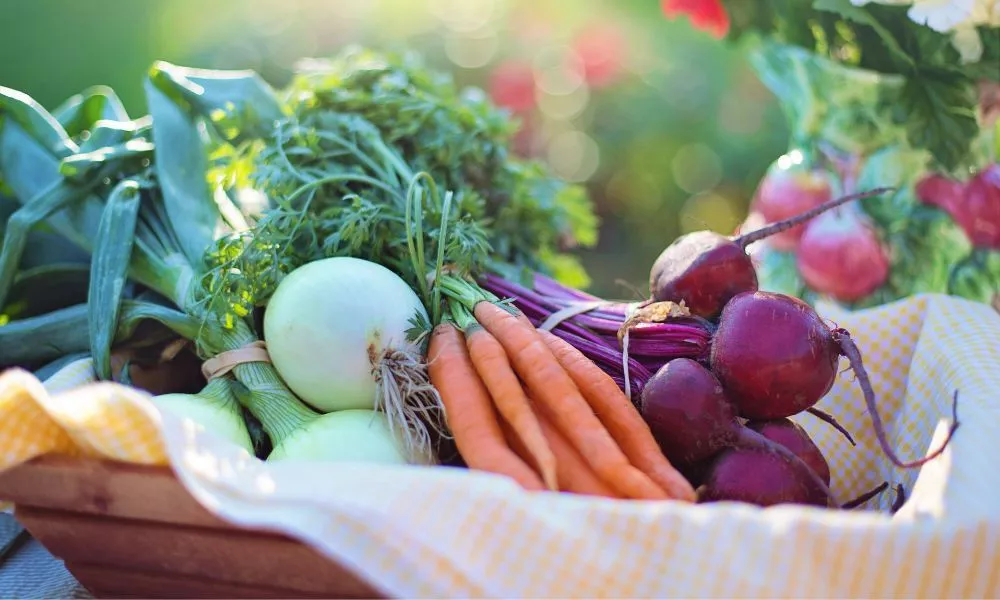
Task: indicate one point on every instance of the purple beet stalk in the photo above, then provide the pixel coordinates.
(610, 361)
(547, 286)
(595, 333)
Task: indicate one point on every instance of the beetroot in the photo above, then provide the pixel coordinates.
(940, 191)
(687, 412)
(791, 435)
(693, 421)
(705, 269)
(775, 358)
(975, 206)
(981, 217)
(773, 354)
(841, 256)
(760, 477)
(790, 188)
(760, 472)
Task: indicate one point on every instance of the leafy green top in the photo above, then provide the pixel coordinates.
(360, 166)
(937, 99)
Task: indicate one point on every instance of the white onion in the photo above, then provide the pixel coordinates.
(344, 436)
(327, 323)
(214, 409)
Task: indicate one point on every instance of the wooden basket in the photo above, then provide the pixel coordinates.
(132, 531)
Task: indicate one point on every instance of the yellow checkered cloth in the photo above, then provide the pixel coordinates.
(440, 532)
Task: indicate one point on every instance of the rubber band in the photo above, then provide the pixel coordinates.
(569, 312)
(225, 362)
(629, 312)
(635, 314)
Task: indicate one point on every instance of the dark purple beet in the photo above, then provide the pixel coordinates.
(705, 269)
(775, 358)
(762, 477)
(773, 354)
(695, 473)
(792, 436)
(691, 418)
(687, 411)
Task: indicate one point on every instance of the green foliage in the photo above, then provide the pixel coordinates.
(937, 101)
(926, 245)
(778, 273)
(457, 136)
(977, 277)
(355, 169)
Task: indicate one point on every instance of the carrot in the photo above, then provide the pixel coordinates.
(548, 382)
(469, 410)
(491, 363)
(620, 416)
(575, 475)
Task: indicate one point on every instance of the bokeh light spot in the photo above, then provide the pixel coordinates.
(465, 15)
(564, 106)
(574, 155)
(696, 167)
(709, 210)
(470, 51)
(558, 70)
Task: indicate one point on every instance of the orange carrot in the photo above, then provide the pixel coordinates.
(620, 416)
(493, 367)
(550, 385)
(469, 410)
(575, 475)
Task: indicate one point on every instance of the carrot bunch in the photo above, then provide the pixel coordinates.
(526, 404)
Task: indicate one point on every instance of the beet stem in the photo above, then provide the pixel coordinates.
(850, 350)
(900, 498)
(755, 236)
(865, 497)
(830, 420)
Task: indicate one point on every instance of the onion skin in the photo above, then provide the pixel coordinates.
(219, 416)
(343, 436)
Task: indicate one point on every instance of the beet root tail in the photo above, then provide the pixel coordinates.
(755, 236)
(900, 498)
(850, 350)
(830, 420)
(865, 497)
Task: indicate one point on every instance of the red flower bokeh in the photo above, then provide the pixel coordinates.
(512, 86)
(601, 48)
(706, 15)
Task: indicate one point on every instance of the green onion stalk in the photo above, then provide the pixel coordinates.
(142, 207)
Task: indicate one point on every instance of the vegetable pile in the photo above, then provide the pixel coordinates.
(356, 269)
(730, 364)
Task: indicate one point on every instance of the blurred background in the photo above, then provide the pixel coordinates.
(668, 127)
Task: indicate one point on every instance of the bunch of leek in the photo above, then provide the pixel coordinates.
(133, 194)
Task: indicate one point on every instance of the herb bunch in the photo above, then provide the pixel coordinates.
(360, 167)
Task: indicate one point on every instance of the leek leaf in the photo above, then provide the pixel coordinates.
(109, 271)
